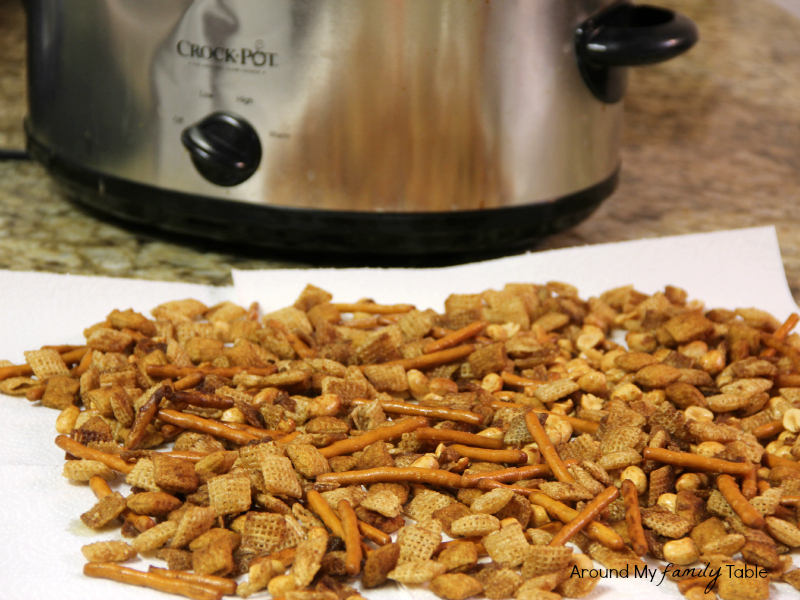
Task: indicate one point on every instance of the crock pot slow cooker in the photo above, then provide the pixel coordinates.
(395, 128)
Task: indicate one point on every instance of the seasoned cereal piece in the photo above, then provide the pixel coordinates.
(426, 502)
(60, 392)
(264, 532)
(83, 470)
(492, 502)
(541, 560)
(353, 494)
(455, 586)
(307, 460)
(155, 537)
(216, 463)
(155, 504)
(279, 476)
(378, 521)
(665, 522)
(106, 510)
(379, 564)
(508, 546)
(177, 560)
(46, 363)
(375, 455)
(309, 556)
(475, 524)
(383, 502)
(563, 491)
(732, 585)
(419, 571)
(229, 494)
(459, 557)
(215, 558)
(174, 474)
(418, 542)
(387, 378)
(194, 522)
(142, 476)
(103, 552)
(449, 515)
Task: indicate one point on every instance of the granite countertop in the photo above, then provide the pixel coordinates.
(710, 142)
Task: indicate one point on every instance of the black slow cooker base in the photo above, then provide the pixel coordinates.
(323, 236)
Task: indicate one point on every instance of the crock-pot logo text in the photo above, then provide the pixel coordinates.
(248, 57)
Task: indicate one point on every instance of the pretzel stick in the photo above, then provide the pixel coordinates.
(193, 456)
(487, 455)
(791, 353)
(519, 380)
(144, 416)
(790, 500)
(695, 461)
(579, 425)
(324, 511)
(750, 485)
(773, 461)
(781, 333)
(15, 371)
(75, 356)
(206, 426)
(516, 473)
(84, 365)
(395, 475)
(763, 486)
(455, 337)
(173, 372)
(365, 323)
(434, 359)
(586, 516)
(154, 581)
(188, 381)
(195, 398)
(633, 517)
(547, 449)
(226, 586)
(461, 437)
(740, 505)
(597, 531)
(433, 412)
(78, 450)
(372, 308)
(352, 538)
(35, 393)
(491, 484)
(767, 430)
(101, 489)
(374, 534)
(354, 444)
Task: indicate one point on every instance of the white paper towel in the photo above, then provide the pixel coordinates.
(40, 555)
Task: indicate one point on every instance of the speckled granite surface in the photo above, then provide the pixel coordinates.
(711, 141)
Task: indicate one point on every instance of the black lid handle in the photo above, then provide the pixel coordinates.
(628, 35)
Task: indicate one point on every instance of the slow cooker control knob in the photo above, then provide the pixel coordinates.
(224, 147)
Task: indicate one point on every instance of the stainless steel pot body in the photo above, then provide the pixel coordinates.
(379, 106)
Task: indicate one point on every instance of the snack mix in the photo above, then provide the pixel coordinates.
(508, 447)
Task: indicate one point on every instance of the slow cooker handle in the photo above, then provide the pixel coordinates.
(628, 35)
